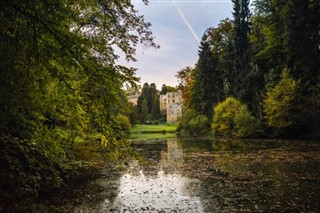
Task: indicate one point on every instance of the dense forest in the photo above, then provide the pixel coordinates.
(258, 75)
(60, 93)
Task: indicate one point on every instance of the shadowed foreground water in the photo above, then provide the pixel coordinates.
(213, 176)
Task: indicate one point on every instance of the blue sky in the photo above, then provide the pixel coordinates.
(178, 26)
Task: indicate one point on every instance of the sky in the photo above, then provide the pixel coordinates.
(177, 27)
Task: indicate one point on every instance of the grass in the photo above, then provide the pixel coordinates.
(138, 132)
(155, 131)
(155, 128)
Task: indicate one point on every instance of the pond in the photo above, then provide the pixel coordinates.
(193, 175)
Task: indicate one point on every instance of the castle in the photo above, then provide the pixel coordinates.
(171, 105)
(133, 99)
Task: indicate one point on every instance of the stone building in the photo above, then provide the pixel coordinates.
(133, 99)
(171, 106)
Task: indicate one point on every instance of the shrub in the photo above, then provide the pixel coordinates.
(223, 118)
(124, 123)
(27, 170)
(193, 124)
(245, 125)
(279, 103)
(231, 118)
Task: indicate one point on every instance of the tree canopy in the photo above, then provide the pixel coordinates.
(60, 83)
(246, 57)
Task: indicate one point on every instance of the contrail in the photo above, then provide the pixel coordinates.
(185, 20)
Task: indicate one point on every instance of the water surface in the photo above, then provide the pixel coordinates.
(183, 175)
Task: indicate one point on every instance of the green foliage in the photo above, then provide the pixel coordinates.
(155, 112)
(144, 111)
(223, 116)
(166, 89)
(58, 72)
(245, 125)
(28, 169)
(184, 76)
(244, 58)
(193, 124)
(124, 123)
(133, 113)
(207, 79)
(279, 103)
(150, 111)
(241, 81)
(231, 118)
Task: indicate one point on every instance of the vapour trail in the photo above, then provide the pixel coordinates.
(185, 20)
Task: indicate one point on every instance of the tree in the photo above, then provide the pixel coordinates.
(71, 44)
(155, 112)
(241, 15)
(184, 76)
(205, 93)
(166, 89)
(289, 30)
(151, 95)
(279, 103)
(144, 111)
(303, 59)
(192, 124)
(221, 42)
(58, 70)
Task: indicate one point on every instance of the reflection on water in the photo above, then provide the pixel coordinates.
(215, 176)
(174, 151)
(165, 192)
(141, 190)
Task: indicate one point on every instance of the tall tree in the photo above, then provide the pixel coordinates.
(290, 31)
(303, 58)
(221, 42)
(241, 15)
(155, 111)
(144, 111)
(205, 93)
(152, 96)
(184, 76)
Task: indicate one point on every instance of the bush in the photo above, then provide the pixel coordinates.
(245, 125)
(124, 123)
(231, 118)
(279, 103)
(193, 124)
(27, 170)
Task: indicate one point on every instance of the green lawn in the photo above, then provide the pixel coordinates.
(154, 128)
(154, 131)
(138, 132)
